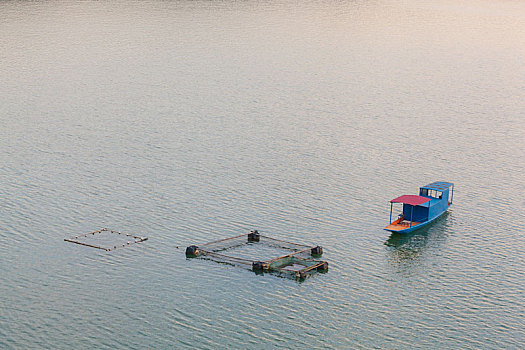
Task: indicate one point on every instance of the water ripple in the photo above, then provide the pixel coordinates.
(187, 122)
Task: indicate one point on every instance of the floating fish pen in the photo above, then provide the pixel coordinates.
(262, 254)
(106, 239)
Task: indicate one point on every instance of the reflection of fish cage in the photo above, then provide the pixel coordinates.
(106, 239)
(262, 254)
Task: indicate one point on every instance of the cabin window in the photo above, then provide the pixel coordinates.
(431, 193)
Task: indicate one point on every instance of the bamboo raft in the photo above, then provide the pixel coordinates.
(297, 263)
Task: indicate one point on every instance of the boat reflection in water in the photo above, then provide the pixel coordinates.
(408, 247)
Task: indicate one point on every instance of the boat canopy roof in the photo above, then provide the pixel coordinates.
(439, 185)
(411, 199)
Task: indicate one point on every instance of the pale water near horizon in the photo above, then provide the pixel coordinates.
(190, 121)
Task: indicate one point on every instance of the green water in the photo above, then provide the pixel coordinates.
(191, 121)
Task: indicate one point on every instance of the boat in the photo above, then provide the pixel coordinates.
(420, 210)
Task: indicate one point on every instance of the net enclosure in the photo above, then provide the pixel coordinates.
(106, 239)
(263, 254)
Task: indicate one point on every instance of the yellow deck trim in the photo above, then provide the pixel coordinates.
(399, 225)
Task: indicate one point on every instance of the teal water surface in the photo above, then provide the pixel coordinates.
(191, 121)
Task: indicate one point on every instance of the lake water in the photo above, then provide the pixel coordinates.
(190, 121)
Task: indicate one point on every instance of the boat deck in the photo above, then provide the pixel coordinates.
(399, 225)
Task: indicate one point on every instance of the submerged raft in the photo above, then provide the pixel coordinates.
(263, 254)
(106, 239)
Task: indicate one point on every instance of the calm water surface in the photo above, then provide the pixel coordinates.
(190, 121)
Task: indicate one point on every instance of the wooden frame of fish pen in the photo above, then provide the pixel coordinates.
(107, 248)
(297, 262)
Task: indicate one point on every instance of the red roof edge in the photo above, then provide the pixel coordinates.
(411, 199)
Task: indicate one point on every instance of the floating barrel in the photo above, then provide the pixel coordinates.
(254, 236)
(192, 251)
(257, 266)
(300, 274)
(323, 266)
(317, 250)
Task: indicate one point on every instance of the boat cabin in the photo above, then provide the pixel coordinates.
(432, 201)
